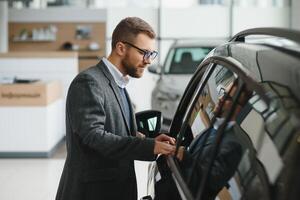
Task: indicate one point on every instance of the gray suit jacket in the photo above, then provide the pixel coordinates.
(101, 145)
(223, 168)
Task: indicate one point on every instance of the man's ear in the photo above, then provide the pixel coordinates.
(120, 49)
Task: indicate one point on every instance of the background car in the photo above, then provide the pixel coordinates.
(180, 63)
(266, 128)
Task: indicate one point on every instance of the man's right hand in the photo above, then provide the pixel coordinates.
(164, 145)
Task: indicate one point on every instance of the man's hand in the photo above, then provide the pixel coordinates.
(165, 138)
(140, 135)
(180, 153)
(164, 145)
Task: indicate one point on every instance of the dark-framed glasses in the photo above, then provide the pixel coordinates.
(225, 95)
(147, 54)
(222, 93)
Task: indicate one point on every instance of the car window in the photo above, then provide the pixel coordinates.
(278, 119)
(261, 135)
(184, 60)
(281, 123)
(202, 110)
(235, 165)
(269, 130)
(207, 113)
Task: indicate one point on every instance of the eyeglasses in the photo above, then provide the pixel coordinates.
(147, 54)
(223, 94)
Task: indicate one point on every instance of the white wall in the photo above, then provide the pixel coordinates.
(252, 17)
(3, 26)
(205, 21)
(194, 22)
(59, 14)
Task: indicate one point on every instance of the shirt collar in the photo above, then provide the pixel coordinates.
(220, 121)
(119, 78)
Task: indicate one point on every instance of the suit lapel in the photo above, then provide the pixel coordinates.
(195, 143)
(133, 124)
(199, 141)
(115, 90)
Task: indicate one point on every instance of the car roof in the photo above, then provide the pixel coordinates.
(275, 41)
(266, 63)
(268, 57)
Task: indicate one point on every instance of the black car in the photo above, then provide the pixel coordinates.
(237, 125)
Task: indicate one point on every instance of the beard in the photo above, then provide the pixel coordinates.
(130, 69)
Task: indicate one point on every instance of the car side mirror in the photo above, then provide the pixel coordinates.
(149, 122)
(155, 69)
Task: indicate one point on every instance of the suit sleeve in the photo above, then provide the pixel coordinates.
(86, 115)
(223, 167)
(225, 164)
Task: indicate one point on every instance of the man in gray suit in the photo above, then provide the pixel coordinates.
(102, 140)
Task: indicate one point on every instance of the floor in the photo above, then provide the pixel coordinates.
(37, 179)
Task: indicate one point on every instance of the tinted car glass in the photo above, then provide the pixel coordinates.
(201, 120)
(202, 111)
(281, 123)
(269, 130)
(238, 173)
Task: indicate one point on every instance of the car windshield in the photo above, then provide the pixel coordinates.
(184, 60)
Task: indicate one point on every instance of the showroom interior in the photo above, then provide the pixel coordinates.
(51, 41)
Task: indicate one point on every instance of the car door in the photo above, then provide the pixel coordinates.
(197, 114)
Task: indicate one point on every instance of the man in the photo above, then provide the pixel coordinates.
(195, 160)
(102, 141)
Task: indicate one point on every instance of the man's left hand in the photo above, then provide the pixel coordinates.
(140, 135)
(165, 138)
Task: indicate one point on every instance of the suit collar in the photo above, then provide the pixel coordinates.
(132, 125)
(115, 88)
(199, 139)
(121, 80)
(220, 121)
(210, 139)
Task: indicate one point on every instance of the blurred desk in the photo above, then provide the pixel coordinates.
(31, 120)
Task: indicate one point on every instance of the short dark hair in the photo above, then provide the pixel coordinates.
(129, 28)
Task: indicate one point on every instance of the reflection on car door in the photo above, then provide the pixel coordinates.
(222, 161)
